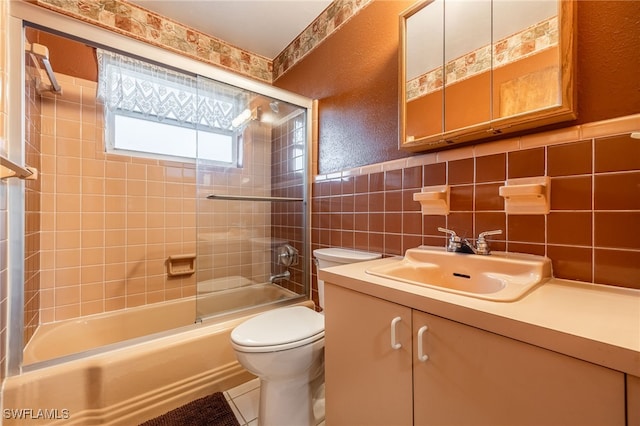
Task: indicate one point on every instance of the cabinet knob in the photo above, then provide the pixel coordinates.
(394, 343)
(422, 357)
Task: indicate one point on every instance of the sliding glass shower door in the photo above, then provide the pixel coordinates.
(251, 211)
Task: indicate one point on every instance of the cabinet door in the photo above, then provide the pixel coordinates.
(367, 382)
(480, 378)
(633, 401)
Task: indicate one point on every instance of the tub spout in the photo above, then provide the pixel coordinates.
(283, 276)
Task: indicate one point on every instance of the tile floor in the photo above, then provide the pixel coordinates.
(244, 400)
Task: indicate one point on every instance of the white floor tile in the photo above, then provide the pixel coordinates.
(237, 413)
(248, 403)
(244, 388)
(244, 401)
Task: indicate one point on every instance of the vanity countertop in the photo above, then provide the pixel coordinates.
(592, 322)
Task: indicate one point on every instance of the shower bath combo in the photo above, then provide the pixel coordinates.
(195, 248)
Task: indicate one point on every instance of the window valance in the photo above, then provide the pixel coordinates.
(133, 87)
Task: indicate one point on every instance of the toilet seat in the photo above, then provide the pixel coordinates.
(278, 330)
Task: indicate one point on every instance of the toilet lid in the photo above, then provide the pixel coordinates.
(279, 327)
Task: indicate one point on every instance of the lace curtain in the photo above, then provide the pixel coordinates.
(134, 87)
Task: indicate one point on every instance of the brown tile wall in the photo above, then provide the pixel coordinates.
(287, 180)
(229, 232)
(592, 233)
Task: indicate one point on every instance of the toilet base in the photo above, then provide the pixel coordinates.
(294, 402)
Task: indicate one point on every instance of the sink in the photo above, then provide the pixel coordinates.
(500, 276)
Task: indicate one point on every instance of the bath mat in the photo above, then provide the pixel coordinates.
(212, 410)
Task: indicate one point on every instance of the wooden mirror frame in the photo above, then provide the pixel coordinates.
(564, 111)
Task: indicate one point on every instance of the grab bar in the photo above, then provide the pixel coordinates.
(251, 198)
(42, 53)
(10, 169)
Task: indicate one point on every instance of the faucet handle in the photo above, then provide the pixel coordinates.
(482, 247)
(448, 231)
(487, 233)
(454, 242)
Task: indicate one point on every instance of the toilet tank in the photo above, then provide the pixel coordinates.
(334, 256)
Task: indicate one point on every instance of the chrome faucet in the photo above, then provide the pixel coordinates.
(282, 276)
(482, 247)
(454, 244)
(462, 245)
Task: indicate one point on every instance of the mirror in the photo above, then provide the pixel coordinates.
(424, 78)
(467, 64)
(472, 69)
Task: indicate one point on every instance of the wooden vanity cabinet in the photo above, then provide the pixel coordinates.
(366, 381)
(475, 377)
(471, 376)
(633, 400)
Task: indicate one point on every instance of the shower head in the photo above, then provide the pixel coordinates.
(275, 107)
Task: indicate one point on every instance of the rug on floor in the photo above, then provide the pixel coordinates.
(212, 410)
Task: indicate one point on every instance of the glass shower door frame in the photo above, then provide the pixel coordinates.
(22, 13)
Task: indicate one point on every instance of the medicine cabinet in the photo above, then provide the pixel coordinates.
(470, 70)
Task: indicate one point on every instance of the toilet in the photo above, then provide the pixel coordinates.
(285, 349)
(334, 256)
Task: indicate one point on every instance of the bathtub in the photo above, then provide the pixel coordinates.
(128, 382)
(82, 335)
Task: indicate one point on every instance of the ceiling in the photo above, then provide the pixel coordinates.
(264, 27)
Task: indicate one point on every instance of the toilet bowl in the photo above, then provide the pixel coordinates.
(285, 349)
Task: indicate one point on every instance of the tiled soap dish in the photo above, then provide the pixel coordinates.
(526, 195)
(434, 199)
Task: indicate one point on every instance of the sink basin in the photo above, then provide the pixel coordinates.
(500, 276)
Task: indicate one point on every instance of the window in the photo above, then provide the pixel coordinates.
(157, 112)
